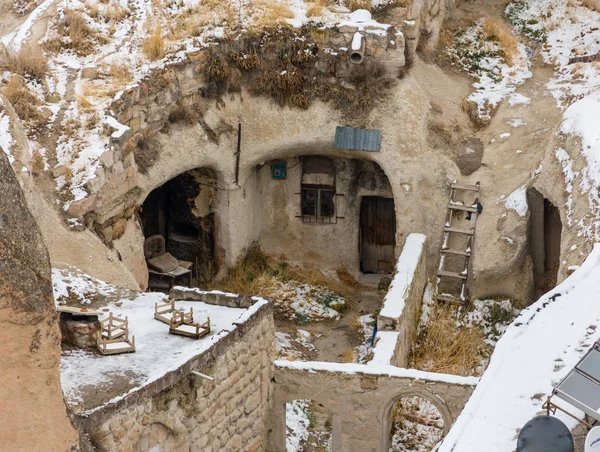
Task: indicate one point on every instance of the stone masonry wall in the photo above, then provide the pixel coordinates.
(402, 304)
(183, 412)
(360, 399)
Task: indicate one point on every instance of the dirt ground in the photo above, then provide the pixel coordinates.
(332, 339)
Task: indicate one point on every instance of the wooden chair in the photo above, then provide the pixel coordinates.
(113, 338)
(114, 327)
(163, 264)
(182, 324)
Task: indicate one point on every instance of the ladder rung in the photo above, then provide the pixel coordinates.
(466, 187)
(451, 274)
(459, 231)
(449, 298)
(457, 252)
(465, 208)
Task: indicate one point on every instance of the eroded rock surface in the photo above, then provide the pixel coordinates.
(34, 415)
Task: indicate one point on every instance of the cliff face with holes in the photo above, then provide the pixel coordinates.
(34, 415)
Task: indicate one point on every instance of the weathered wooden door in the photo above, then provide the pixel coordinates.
(377, 234)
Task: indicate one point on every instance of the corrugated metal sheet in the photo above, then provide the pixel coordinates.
(358, 139)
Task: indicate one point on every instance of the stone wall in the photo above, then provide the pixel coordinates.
(360, 399)
(402, 304)
(210, 297)
(182, 412)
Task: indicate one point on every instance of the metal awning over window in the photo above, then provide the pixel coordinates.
(581, 386)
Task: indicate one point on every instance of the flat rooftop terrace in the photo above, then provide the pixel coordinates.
(90, 380)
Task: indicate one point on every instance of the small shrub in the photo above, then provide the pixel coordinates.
(83, 101)
(22, 99)
(37, 162)
(74, 33)
(29, 61)
(301, 318)
(353, 5)
(270, 13)
(120, 72)
(314, 10)
(497, 31)
(154, 45)
(348, 356)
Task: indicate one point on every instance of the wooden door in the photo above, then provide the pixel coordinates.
(377, 234)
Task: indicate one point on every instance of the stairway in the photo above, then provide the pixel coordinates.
(464, 235)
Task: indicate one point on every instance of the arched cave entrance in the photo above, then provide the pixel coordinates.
(182, 211)
(544, 238)
(332, 211)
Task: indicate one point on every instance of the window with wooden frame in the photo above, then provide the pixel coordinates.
(317, 193)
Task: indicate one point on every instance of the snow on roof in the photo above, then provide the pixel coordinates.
(385, 346)
(394, 301)
(382, 370)
(538, 349)
(157, 351)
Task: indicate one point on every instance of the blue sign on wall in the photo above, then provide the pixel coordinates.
(278, 170)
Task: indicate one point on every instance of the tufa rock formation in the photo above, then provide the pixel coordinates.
(34, 414)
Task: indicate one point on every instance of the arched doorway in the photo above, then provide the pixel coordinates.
(416, 425)
(544, 237)
(182, 211)
(415, 421)
(308, 426)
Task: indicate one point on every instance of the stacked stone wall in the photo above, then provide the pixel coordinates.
(360, 399)
(182, 411)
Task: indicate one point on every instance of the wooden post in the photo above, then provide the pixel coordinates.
(237, 154)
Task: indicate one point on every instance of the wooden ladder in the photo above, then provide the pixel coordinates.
(463, 275)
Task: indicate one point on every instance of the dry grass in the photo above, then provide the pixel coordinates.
(267, 14)
(443, 347)
(497, 30)
(74, 33)
(154, 45)
(353, 5)
(291, 71)
(83, 101)
(120, 73)
(314, 10)
(115, 12)
(22, 99)
(348, 355)
(30, 61)
(37, 162)
(258, 274)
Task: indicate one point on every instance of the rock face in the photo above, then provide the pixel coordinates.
(469, 156)
(34, 415)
